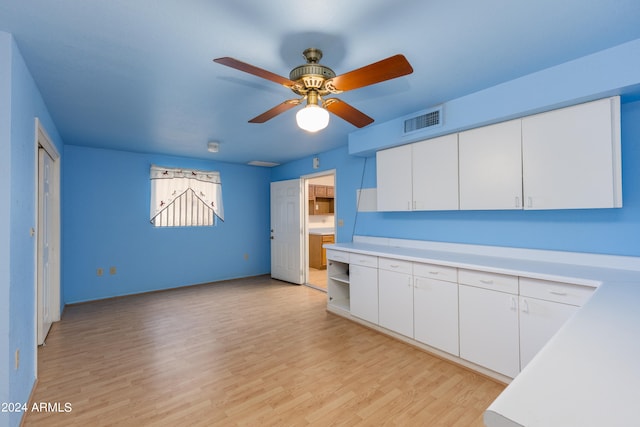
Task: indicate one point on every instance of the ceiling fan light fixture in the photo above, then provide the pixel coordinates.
(312, 118)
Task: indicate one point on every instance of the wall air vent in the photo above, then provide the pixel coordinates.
(428, 119)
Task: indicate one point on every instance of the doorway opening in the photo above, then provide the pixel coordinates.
(320, 210)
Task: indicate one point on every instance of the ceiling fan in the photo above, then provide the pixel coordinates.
(313, 82)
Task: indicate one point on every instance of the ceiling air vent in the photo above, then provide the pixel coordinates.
(429, 119)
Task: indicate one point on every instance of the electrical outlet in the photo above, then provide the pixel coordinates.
(99, 272)
(341, 223)
(246, 257)
(17, 359)
(112, 270)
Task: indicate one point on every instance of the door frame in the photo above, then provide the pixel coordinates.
(305, 212)
(42, 140)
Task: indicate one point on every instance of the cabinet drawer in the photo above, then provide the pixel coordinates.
(366, 260)
(391, 264)
(494, 281)
(433, 271)
(327, 238)
(555, 291)
(338, 255)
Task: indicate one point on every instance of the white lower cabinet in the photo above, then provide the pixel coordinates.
(364, 292)
(544, 307)
(539, 321)
(396, 296)
(496, 321)
(489, 333)
(435, 313)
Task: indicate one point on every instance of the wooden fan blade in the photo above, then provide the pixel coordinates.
(278, 109)
(387, 69)
(347, 112)
(251, 69)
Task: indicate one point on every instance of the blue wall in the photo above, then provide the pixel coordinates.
(606, 231)
(17, 287)
(612, 71)
(106, 223)
(350, 173)
(5, 216)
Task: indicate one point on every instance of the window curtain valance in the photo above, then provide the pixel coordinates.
(167, 184)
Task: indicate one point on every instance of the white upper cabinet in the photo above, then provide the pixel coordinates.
(562, 159)
(435, 174)
(491, 167)
(571, 157)
(419, 176)
(394, 180)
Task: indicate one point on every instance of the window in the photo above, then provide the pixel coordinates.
(185, 197)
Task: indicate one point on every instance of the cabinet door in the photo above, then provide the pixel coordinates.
(330, 191)
(396, 301)
(363, 282)
(435, 173)
(393, 175)
(435, 313)
(489, 329)
(571, 157)
(539, 321)
(491, 167)
(316, 252)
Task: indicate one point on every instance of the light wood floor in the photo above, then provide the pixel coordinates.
(245, 352)
(317, 278)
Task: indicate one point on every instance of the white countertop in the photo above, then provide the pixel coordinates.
(324, 231)
(589, 373)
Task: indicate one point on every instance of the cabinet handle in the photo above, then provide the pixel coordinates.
(486, 281)
(561, 294)
(514, 305)
(529, 202)
(394, 265)
(435, 273)
(517, 202)
(525, 309)
(409, 205)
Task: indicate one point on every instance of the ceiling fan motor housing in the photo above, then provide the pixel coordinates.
(312, 75)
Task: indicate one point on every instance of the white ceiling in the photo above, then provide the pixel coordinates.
(138, 75)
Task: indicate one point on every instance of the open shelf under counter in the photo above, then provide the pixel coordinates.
(341, 278)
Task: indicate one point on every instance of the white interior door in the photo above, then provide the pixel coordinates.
(286, 231)
(45, 220)
(47, 262)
